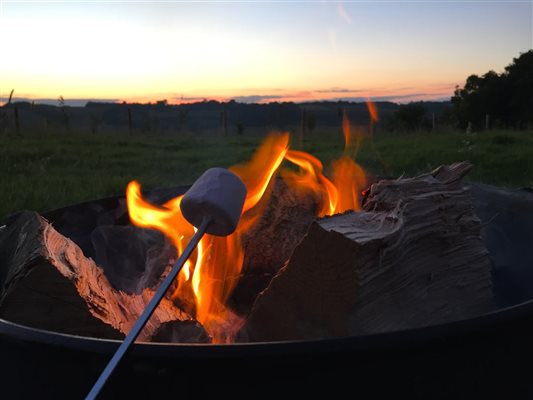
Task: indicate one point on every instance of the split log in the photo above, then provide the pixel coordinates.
(132, 258)
(270, 243)
(46, 282)
(413, 257)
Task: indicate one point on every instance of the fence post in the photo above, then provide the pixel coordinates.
(302, 126)
(17, 121)
(129, 121)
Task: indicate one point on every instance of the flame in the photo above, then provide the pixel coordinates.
(257, 173)
(209, 276)
(347, 176)
(212, 271)
(346, 130)
(167, 219)
(221, 258)
(334, 196)
(372, 110)
(349, 179)
(310, 179)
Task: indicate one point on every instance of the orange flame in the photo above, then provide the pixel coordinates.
(336, 196)
(372, 110)
(218, 269)
(347, 176)
(257, 173)
(212, 272)
(349, 179)
(346, 130)
(311, 180)
(167, 219)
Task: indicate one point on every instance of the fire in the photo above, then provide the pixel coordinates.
(348, 140)
(258, 173)
(349, 179)
(167, 219)
(206, 282)
(372, 110)
(221, 258)
(211, 273)
(310, 179)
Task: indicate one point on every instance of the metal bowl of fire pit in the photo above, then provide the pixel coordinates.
(481, 355)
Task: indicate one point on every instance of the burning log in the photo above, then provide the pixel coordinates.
(46, 282)
(413, 257)
(270, 243)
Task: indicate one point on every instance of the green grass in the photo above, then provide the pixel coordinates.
(47, 171)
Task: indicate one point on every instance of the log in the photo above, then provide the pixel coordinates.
(269, 244)
(46, 282)
(413, 257)
(181, 332)
(132, 258)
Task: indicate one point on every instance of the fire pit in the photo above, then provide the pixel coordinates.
(482, 355)
(473, 341)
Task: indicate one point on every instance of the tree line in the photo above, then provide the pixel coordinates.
(495, 100)
(485, 102)
(492, 100)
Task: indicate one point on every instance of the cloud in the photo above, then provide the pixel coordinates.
(257, 98)
(343, 13)
(186, 99)
(338, 90)
(404, 98)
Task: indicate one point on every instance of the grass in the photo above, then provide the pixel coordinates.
(49, 171)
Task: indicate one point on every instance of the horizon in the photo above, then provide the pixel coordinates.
(84, 102)
(255, 52)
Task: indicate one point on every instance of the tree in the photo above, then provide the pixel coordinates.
(481, 96)
(507, 97)
(519, 76)
(409, 116)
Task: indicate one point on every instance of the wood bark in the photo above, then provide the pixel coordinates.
(413, 257)
(46, 282)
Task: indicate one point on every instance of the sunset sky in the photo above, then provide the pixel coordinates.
(255, 50)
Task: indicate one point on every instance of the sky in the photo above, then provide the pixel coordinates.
(255, 51)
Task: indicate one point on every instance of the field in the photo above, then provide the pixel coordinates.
(42, 172)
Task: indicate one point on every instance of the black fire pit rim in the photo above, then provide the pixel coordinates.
(163, 193)
(379, 341)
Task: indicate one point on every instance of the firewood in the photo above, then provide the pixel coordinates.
(267, 246)
(46, 282)
(413, 257)
(181, 332)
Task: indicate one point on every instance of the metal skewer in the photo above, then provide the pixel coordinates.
(147, 313)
